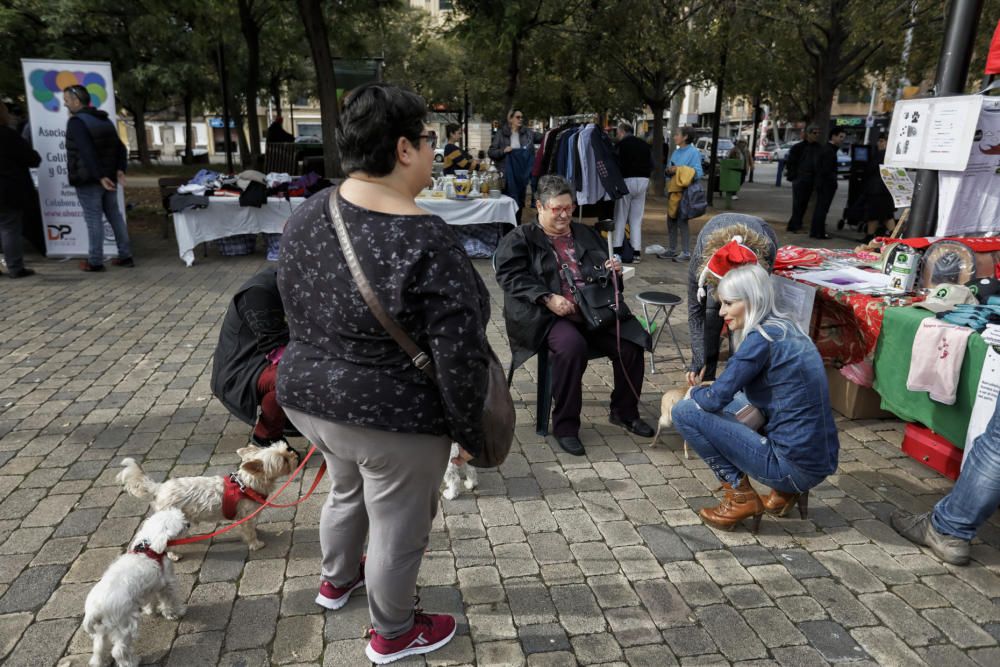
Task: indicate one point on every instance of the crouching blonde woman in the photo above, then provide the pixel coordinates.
(779, 370)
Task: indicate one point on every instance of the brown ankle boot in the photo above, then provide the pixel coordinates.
(778, 503)
(739, 503)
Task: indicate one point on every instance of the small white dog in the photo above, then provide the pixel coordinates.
(137, 580)
(671, 397)
(201, 498)
(453, 476)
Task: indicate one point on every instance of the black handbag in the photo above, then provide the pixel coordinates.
(596, 300)
(498, 418)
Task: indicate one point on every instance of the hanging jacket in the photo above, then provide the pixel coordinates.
(682, 178)
(93, 149)
(608, 171)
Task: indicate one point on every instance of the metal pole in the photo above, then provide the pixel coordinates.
(756, 122)
(465, 114)
(226, 132)
(871, 112)
(953, 68)
(714, 150)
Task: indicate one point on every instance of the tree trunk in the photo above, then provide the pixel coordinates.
(274, 87)
(311, 12)
(657, 108)
(251, 33)
(139, 113)
(241, 137)
(513, 76)
(188, 126)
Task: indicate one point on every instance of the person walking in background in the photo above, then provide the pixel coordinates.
(276, 133)
(384, 427)
(880, 207)
(826, 183)
(800, 169)
(512, 151)
(456, 157)
(16, 158)
(96, 159)
(685, 155)
(636, 160)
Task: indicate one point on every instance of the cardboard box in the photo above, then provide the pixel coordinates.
(852, 400)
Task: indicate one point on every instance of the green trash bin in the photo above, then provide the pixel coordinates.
(729, 178)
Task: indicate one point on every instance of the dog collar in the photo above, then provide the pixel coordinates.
(143, 548)
(232, 490)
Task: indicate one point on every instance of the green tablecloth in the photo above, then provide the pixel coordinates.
(892, 365)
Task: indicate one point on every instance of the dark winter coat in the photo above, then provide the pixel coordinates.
(526, 269)
(635, 157)
(93, 149)
(16, 158)
(607, 165)
(254, 325)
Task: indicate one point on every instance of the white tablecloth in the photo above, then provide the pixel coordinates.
(225, 217)
(471, 211)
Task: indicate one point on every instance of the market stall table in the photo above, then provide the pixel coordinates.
(892, 366)
(479, 222)
(225, 217)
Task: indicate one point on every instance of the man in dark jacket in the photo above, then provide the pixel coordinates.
(96, 159)
(276, 133)
(800, 170)
(16, 158)
(635, 158)
(245, 368)
(540, 309)
(826, 183)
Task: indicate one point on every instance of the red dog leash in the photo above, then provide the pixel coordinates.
(266, 503)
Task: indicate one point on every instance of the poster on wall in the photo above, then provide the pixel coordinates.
(932, 133)
(969, 200)
(62, 216)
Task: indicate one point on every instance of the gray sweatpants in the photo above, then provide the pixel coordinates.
(385, 486)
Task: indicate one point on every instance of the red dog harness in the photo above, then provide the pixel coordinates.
(143, 548)
(232, 490)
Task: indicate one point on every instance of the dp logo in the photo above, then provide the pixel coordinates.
(58, 232)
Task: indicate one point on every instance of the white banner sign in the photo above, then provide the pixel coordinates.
(44, 81)
(932, 133)
(969, 201)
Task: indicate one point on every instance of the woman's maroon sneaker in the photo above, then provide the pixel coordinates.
(332, 597)
(429, 633)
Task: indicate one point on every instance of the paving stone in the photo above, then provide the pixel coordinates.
(801, 608)
(558, 574)
(986, 657)
(578, 611)
(348, 622)
(543, 638)
(839, 603)
(637, 562)
(901, 619)
(480, 585)
(665, 544)
(959, 629)
(746, 596)
(59, 551)
(577, 526)
(223, 562)
(800, 564)
(11, 627)
(734, 637)
(601, 506)
(619, 533)
(530, 603)
(345, 653)
(693, 583)
(208, 608)
(42, 643)
(549, 548)
(689, 640)
(885, 647)
(254, 622)
(699, 537)
(665, 605)
(458, 651)
(832, 641)
(963, 597)
(11, 566)
(594, 558)
(723, 567)
(632, 626)
(470, 553)
(298, 639)
(535, 516)
(499, 654)
(850, 572)
(32, 588)
(66, 601)
(773, 627)
(555, 659)
(799, 656)
(598, 648)
(196, 650)
(775, 580)
(490, 622)
(947, 655)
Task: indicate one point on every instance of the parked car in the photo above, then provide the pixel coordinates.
(782, 152)
(704, 145)
(767, 154)
(439, 155)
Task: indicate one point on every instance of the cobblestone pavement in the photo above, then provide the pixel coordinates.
(554, 560)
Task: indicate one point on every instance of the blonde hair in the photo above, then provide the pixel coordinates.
(751, 284)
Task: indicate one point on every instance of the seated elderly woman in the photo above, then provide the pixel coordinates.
(780, 371)
(540, 308)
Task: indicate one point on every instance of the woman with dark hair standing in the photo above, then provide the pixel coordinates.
(382, 425)
(512, 151)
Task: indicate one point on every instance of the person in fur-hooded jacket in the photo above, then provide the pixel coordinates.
(704, 323)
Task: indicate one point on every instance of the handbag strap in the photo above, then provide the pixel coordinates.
(419, 358)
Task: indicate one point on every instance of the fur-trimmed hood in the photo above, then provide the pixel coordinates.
(753, 239)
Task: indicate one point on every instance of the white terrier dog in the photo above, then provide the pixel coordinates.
(206, 499)
(138, 579)
(453, 476)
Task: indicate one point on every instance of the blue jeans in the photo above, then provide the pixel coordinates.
(96, 203)
(976, 494)
(731, 449)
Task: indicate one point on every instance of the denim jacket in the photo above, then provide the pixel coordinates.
(783, 378)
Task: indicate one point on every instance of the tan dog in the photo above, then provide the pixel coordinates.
(200, 498)
(671, 397)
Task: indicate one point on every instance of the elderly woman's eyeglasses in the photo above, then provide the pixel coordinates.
(562, 210)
